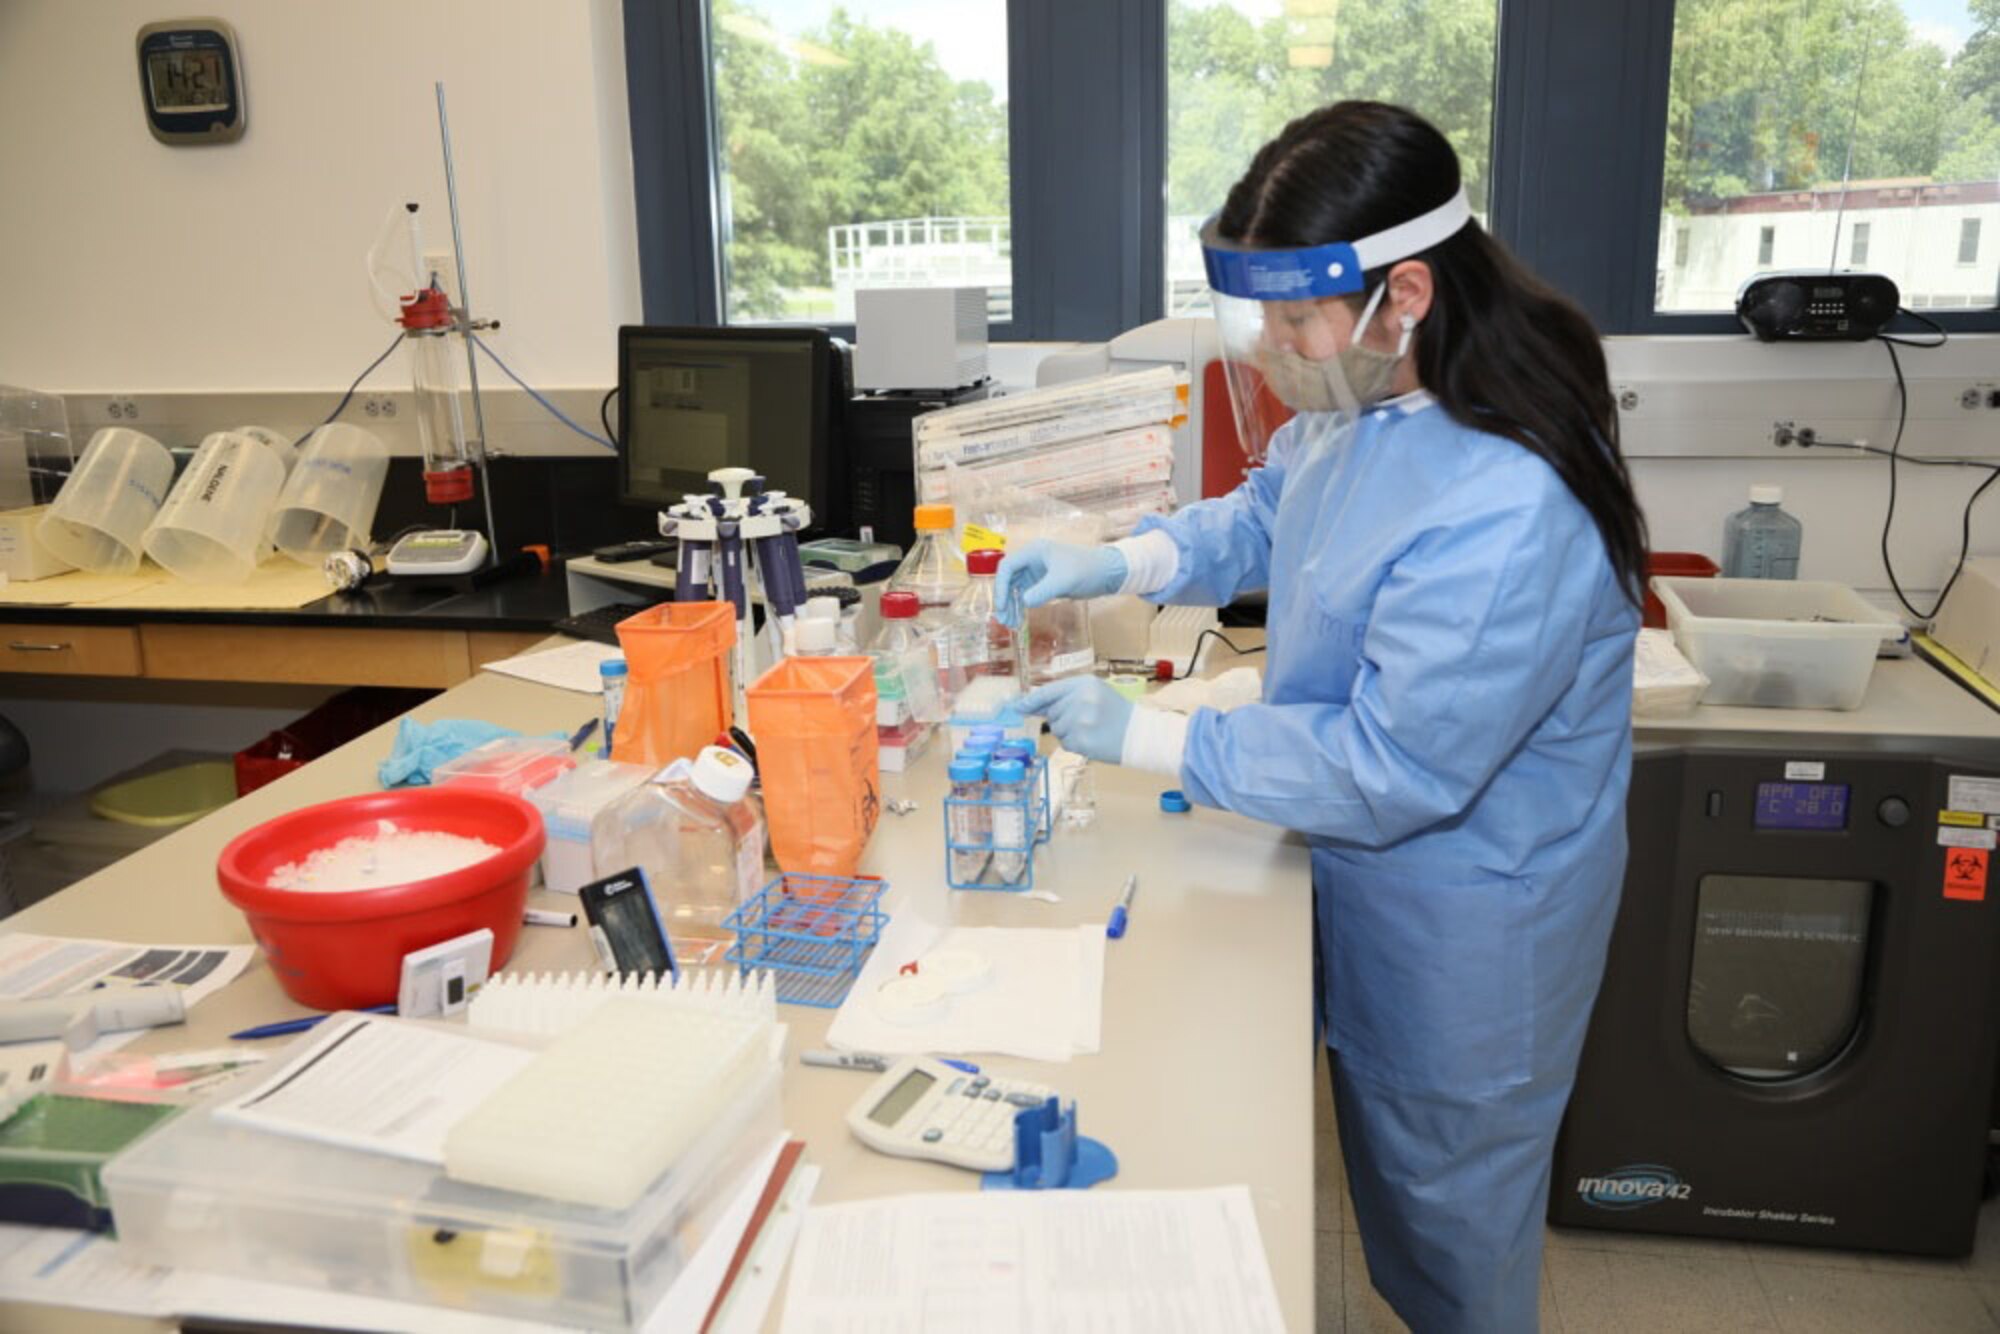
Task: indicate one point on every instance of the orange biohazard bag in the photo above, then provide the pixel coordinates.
(677, 680)
(813, 720)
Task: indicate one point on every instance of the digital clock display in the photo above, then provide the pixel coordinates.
(1814, 806)
(1829, 293)
(188, 80)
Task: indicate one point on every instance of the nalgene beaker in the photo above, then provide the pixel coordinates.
(99, 518)
(1059, 641)
(328, 503)
(212, 528)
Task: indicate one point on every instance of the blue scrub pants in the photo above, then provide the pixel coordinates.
(1450, 1196)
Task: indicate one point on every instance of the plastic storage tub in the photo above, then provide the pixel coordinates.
(337, 949)
(511, 764)
(1777, 643)
(202, 1194)
(568, 806)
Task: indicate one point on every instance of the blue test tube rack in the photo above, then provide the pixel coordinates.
(1035, 809)
(812, 933)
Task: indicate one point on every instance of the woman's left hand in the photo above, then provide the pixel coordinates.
(1087, 716)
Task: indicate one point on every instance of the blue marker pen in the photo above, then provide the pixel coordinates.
(1115, 928)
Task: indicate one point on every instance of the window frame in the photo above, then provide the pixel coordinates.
(1578, 163)
(1085, 84)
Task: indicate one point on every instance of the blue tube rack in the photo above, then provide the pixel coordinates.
(1035, 809)
(812, 933)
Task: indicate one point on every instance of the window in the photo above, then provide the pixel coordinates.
(1237, 70)
(862, 143)
(1817, 116)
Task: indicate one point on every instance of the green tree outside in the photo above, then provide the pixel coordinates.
(854, 122)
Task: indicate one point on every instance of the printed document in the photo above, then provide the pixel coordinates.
(1035, 1262)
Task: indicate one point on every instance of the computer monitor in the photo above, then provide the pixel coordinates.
(693, 399)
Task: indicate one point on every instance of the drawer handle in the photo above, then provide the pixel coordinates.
(23, 646)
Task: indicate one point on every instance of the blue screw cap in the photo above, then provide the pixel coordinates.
(1175, 801)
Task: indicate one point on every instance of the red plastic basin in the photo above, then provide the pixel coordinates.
(344, 949)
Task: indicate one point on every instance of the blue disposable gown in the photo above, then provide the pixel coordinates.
(1447, 718)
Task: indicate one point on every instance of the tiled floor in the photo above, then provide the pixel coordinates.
(1623, 1284)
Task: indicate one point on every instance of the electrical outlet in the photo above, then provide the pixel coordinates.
(122, 409)
(378, 405)
(440, 266)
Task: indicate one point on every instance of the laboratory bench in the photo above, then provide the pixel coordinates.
(390, 636)
(1205, 1077)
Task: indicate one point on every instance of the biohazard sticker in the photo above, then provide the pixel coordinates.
(1965, 874)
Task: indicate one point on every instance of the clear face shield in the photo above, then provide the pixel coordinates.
(1291, 336)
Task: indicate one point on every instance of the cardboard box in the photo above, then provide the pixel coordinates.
(22, 555)
(1969, 622)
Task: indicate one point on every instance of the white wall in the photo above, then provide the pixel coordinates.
(130, 266)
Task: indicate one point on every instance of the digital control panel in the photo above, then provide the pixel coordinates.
(1809, 806)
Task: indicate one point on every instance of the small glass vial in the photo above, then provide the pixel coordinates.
(611, 673)
(1007, 787)
(971, 824)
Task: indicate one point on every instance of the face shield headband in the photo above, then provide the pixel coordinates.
(1336, 268)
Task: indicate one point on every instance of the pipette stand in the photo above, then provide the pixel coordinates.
(1050, 1155)
(722, 533)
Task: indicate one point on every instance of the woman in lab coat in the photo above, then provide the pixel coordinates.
(1453, 555)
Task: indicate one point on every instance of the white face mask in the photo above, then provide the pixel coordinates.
(1353, 379)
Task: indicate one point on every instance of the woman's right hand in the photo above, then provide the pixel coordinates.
(1042, 571)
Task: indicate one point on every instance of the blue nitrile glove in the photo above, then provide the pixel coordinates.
(421, 747)
(1087, 716)
(1042, 571)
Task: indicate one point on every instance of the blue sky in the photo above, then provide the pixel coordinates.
(1945, 22)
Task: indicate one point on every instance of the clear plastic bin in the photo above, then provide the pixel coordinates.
(202, 1194)
(329, 501)
(510, 764)
(99, 518)
(1782, 644)
(569, 804)
(213, 526)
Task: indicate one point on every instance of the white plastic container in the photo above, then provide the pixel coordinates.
(99, 519)
(569, 805)
(696, 832)
(212, 528)
(329, 501)
(1779, 644)
(198, 1193)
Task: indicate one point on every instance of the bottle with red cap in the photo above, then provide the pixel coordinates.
(905, 680)
(980, 644)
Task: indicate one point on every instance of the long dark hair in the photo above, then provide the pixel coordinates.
(1500, 350)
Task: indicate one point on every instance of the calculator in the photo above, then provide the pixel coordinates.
(922, 1108)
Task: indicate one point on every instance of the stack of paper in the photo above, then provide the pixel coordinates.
(1102, 445)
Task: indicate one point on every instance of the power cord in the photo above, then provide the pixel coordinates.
(1805, 438)
(551, 408)
(604, 412)
(348, 397)
(1203, 638)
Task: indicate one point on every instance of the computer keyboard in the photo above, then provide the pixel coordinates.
(599, 623)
